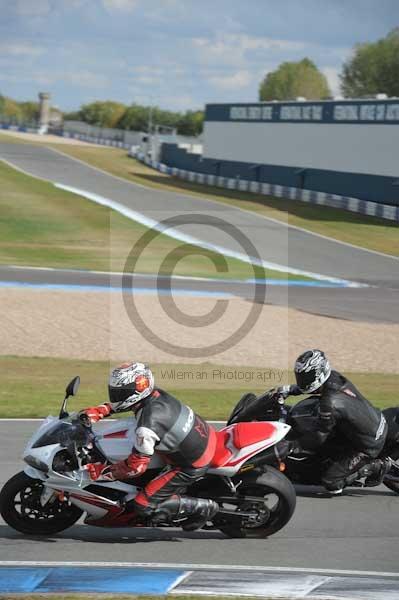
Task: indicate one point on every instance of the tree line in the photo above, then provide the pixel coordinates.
(110, 114)
(20, 112)
(372, 68)
(137, 117)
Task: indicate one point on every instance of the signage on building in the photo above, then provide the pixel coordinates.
(379, 111)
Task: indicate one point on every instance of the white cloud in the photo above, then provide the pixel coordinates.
(32, 8)
(238, 80)
(332, 74)
(167, 11)
(235, 48)
(17, 49)
(248, 42)
(178, 102)
(86, 79)
(147, 79)
(147, 70)
(120, 5)
(38, 78)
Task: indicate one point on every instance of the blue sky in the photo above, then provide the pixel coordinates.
(178, 54)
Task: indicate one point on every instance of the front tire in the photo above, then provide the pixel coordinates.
(21, 509)
(261, 489)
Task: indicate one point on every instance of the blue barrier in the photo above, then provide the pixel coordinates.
(370, 187)
(29, 580)
(356, 205)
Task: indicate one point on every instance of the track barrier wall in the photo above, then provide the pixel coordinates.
(355, 205)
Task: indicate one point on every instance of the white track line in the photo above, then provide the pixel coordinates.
(120, 274)
(21, 420)
(183, 237)
(195, 567)
(319, 235)
(179, 580)
(138, 217)
(82, 162)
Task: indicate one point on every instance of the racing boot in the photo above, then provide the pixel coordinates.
(376, 471)
(199, 511)
(194, 512)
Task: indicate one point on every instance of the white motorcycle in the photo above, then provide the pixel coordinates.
(54, 489)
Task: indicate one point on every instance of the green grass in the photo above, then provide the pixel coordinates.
(34, 387)
(368, 232)
(43, 226)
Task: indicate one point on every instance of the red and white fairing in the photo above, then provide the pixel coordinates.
(236, 444)
(240, 442)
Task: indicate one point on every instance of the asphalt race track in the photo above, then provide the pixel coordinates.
(372, 304)
(274, 241)
(358, 531)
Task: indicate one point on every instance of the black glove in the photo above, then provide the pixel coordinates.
(285, 448)
(295, 390)
(294, 447)
(84, 419)
(284, 391)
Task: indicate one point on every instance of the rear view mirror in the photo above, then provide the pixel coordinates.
(71, 390)
(72, 387)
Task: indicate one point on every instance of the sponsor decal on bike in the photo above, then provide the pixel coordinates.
(381, 427)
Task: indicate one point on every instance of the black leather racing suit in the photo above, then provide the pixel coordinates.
(359, 428)
(183, 438)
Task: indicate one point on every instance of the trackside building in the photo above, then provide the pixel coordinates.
(346, 147)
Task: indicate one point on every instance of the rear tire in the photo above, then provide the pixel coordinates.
(392, 485)
(20, 508)
(266, 486)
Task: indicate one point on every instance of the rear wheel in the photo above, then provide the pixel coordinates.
(270, 499)
(20, 508)
(391, 480)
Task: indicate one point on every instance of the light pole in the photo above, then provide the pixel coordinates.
(149, 127)
(150, 112)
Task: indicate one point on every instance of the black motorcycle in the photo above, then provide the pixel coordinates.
(306, 468)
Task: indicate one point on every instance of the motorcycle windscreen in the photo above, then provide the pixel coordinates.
(64, 433)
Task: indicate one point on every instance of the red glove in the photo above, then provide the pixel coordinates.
(95, 470)
(96, 413)
(133, 466)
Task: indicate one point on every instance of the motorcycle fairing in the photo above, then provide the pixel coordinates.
(239, 442)
(115, 439)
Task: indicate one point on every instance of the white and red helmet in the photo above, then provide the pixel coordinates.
(129, 384)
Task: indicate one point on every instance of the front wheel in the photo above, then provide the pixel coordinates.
(269, 498)
(20, 508)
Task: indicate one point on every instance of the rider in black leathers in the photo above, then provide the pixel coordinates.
(359, 429)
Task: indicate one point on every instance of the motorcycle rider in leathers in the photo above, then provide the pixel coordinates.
(358, 428)
(165, 426)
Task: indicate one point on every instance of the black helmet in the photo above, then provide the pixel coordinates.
(129, 384)
(312, 369)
